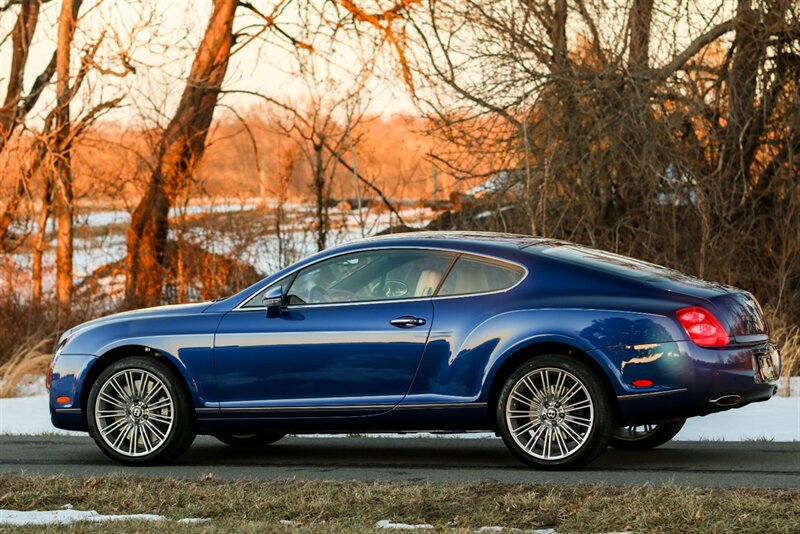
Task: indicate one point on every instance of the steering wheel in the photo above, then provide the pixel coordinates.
(318, 294)
(395, 289)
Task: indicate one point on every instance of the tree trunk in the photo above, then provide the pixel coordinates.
(639, 22)
(179, 149)
(61, 158)
(41, 239)
(21, 36)
(319, 196)
(738, 145)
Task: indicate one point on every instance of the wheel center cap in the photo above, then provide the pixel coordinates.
(551, 413)
(136, 412)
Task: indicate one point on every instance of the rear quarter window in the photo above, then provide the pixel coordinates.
(478, 275)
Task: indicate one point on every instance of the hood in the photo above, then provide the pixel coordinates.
(157, 311)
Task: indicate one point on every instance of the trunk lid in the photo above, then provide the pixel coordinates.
(741, 314)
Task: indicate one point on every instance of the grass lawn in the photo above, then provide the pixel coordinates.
(309, 506)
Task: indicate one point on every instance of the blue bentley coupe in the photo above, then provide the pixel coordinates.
(558, 348)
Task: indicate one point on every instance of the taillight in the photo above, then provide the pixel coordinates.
(703, 328)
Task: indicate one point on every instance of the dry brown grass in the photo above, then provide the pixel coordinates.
(787, 336)
(350, 506)
(31, 357)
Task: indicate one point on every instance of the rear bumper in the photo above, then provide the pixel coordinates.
(687, 379)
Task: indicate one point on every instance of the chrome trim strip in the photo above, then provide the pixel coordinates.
(349, 407)
(650, 394)
(456, 252)
(442, 405)
(68, 410)
(206, 410)
(305, 408)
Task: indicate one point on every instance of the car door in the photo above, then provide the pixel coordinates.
(347, 342)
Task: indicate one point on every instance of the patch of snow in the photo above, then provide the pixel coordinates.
(385, 523)
(28, 415)
(193, 520)
(777, 419)
(67, 516)
(502, 529)
(31, 386)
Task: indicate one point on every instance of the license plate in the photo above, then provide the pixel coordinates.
(765, 367)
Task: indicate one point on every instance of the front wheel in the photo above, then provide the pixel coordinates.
(645, 437)
(554, 413)
(139, 412)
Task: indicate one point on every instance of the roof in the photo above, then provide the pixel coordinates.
(497, 238)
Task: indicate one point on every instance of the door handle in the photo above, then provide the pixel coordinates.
(407, 321)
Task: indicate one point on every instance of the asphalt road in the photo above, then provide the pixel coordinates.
(753, 464)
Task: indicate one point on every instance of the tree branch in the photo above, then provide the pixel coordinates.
(678, 61)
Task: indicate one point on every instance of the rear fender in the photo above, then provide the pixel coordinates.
(583, 330)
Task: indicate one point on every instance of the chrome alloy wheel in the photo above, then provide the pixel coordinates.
(134, 412)
(635, 433)
(549, 413)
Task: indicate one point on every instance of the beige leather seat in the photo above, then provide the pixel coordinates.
(427, 283)
(470, 279)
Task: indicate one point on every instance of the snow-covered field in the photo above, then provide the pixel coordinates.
(775, 420)
(92, 251)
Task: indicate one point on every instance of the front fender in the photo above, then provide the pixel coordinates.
(186, 341)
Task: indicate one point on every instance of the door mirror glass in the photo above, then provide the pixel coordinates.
(273, 301)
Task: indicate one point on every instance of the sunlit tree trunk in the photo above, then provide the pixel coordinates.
(320, 197)
(21, 36)
(179, 149)
(61, 158)
(41, 238)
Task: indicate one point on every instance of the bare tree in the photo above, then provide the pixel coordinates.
(16, 105)
(179, 149)
(660, 132)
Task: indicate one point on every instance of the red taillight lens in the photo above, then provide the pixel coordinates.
(703, 328)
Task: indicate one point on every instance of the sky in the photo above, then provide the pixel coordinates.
(159, 38)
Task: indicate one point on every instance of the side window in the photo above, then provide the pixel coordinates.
(477, 275)
(372, 275)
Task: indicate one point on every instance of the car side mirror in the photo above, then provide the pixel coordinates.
(273, 301)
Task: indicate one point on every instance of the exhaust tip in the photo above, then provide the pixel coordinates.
(726, 400)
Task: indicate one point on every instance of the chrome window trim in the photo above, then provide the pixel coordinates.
(457, 253)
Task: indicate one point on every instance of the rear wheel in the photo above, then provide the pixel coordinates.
(644, 437)
(261, 439)
(554, 413)
(139, 413)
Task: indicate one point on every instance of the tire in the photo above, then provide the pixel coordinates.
(645, 437)
(139, 412)
(542, 431)
(261, 439)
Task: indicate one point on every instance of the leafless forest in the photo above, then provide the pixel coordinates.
(140, 163)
